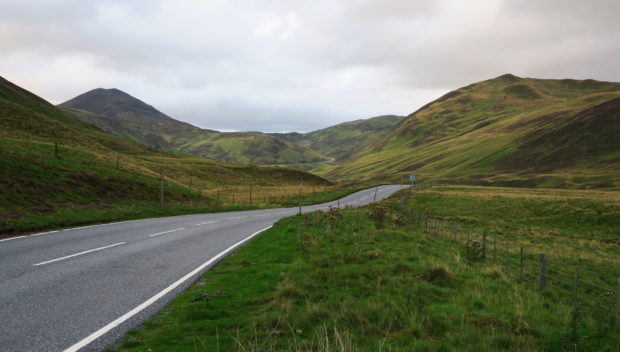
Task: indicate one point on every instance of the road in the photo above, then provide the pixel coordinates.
(83, 288)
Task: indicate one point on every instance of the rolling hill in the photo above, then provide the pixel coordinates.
(505, 131)
(83, 174)
(343, 140)
(121, 114)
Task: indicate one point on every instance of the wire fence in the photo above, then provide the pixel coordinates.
(589, 290)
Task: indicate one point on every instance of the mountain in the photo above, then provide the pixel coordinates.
(121, 114)
(83, 173)
(505, 131)
(345, 139)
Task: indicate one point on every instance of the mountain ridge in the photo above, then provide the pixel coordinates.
(126, 116)
(466, 134)
(342, 140)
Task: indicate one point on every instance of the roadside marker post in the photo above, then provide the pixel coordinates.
(301, 192)
(542, 284)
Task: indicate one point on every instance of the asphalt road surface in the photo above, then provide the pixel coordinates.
(83, 288)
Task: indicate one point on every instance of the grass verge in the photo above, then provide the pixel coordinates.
(365, 279)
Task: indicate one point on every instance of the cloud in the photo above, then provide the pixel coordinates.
(284, 65)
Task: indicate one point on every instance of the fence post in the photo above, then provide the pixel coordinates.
(218, 195)
(494, 249)
(507, 259)
(161, 188)
(618, 302)
(233, 199)
(117, 161)
(576, 288)
(484, 244)
(56, 149)
(542, 283)
(576, 311)
(375, 200)
(190, 183)
(521, 266)
(338, 203)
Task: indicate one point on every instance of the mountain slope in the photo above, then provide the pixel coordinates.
(345, 139)
(508, 130)
(84, 173)
(119, 113)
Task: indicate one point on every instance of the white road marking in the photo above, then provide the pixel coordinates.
(76, 254)
(161, 233)
(92, 337)
(44, 233)
(235, 218)
(206, 223)
(11, 238)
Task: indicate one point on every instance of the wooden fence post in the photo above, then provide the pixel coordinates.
(507, 259)
(521, 266)
(161, 188)
(618, 302)
(494, 249)
(576, 311)
(576, 287)
(542, 283)
(484, 244)
(117, 161)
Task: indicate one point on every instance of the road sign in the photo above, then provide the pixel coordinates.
(412, 177)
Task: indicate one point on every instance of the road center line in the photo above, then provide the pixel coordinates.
(76, 254)
(206, 223)
(95, 335)
(161, 233)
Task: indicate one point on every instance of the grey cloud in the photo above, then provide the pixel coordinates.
(291, 65)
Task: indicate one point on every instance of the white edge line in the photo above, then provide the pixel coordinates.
(161, 233)
(44, 233)
(92, 337)
(11, 238)
(76, 254)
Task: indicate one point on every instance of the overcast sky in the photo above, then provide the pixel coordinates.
(292, 65)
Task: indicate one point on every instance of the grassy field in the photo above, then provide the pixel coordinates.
(371, 279)
(41, 191)
(507, 131)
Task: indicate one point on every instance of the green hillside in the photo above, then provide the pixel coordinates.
(505, 131)
(121, 114)
(82, 175)
(345, 139)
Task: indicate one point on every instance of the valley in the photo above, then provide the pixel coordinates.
(532, 164)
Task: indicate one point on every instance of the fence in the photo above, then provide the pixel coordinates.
(583, 287)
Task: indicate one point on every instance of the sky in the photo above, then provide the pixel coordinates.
(292, 65)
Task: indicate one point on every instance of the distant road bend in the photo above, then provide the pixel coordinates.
(83, 288)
